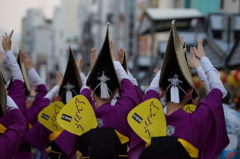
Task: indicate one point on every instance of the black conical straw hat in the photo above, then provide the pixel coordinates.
(3, 98)
(174, 58)
(104, 64)
(71, 79)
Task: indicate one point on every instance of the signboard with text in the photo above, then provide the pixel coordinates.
(48, 116)
(77, 116)
(148, 120)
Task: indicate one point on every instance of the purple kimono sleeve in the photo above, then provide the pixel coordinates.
(125, 103)
(17, 93)
(216, 138)
(5, 120)
(38, 104)
(139, 94)
(41, 92)
(136, 146)
(11, 139)
(67, 147)
(128, 98)
(25, 155)
(151, 94)
(86, 92)
(38, 136)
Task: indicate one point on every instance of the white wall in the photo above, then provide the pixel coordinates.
(68, 21)
(41, 43)
(231, 6)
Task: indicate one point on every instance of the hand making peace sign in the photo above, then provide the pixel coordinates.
(6, 42)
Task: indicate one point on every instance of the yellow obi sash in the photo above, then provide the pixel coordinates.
(29, 126)
(54, 135)
(2, 128)
(192, 151)
(123, 139)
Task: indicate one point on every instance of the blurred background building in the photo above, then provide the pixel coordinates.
(141, 27)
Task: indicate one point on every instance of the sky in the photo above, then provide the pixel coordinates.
(12, 12)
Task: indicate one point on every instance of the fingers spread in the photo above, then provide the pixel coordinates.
(120, 55)
(81, 61)
(200, 46)
(92, 50)
(155, 70)
(10, 36)
(58, 75)
(112, 50)
(24, 54)
(195, 50)
(6, 35)
(191, 53)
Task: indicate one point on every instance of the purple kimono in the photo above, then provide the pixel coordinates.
(32, 112)
(110, 116)
(116, 116)
(11, 139)
(66, 142)
(139, 94)
(38, 135)
(17, 93)
(204, 128)
(68, 147)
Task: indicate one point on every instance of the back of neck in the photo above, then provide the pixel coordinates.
(100, 102)
(172, 107)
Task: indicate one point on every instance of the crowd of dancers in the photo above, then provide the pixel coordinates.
(103, 115)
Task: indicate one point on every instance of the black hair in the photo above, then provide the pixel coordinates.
(104, 65)
(227, 98)
(165, 84)
(112, 83)
(194, 95)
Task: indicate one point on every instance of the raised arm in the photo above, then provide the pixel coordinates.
(10, 58)
(128, 98)
(153, 90)
(79, 66)
(212, 74)
(130, 77)
(85, 89)
(33, 112)
(195, 64)
(53, 92)
(16, 91)
(37, 81)
(38, 135)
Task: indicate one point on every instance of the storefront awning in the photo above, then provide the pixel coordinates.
(160, 19)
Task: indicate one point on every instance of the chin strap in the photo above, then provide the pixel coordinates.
(115, 98)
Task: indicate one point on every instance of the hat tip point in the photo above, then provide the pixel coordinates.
(173, 22)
